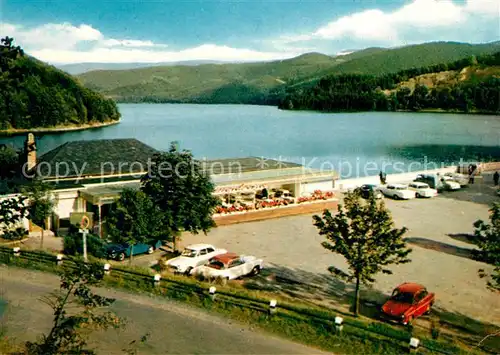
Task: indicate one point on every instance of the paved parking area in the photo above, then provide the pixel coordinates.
(440, 258)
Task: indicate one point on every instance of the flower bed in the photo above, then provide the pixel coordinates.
(315, 196)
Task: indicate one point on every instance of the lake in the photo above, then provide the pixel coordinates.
(356, 144)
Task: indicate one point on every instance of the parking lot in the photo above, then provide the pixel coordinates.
(436, 227)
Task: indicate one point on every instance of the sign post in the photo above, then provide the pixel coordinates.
(84, 224)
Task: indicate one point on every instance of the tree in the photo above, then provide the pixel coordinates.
(177, 184)
(12, 212)
(135, 219)
(487, 238)
(364, 233)
(70, 328)
(40, 204)
(9, 162)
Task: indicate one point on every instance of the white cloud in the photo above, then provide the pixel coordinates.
(62, 44)
(419, 16)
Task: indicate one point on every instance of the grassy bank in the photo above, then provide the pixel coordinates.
(302, 322)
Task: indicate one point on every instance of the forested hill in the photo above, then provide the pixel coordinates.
(265, 82)
(34, 95)
(471, 84)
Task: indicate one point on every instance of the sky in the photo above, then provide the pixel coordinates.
(149, 31)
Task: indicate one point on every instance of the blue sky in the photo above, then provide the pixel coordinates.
(156, 31)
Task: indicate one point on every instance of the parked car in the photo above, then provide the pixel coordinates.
(119, 252)
(229, 266)
(192, 256)
(370, 189)
(422, 189)
(397, 191)
(408, 301)
(438, 182)
(462, 179)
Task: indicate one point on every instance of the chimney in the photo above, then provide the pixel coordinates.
(30, 152)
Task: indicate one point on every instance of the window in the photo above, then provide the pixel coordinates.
(235, 263)
(421, 295)
(203, 252)
(390, 187)
(210, 250)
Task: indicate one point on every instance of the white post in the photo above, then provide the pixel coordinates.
(414, 343)
(157, 279)
(211, 291)
(84, 233)
(338, 324)
(106, 269)
(272, 306)
(100, 222)
(59, 259)
(17, 251)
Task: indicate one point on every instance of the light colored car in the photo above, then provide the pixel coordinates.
(462, 179)
(449, 183)
(422, 189)
(193, 256)
(229, 266)
(397, 191)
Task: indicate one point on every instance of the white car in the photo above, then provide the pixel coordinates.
(462, 179)
(193, 256)
(422, 189)
(397, 191)
(229, 266)
(449, 183)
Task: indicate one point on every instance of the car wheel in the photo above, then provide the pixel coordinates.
(121, 256)
(417, 195)
(151, 250)
(396, 197)
(256, 270)
(188, 271)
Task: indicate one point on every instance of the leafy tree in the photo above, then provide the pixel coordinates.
(135, 219)
(9, 162)
(487, 238)
(177, 184)
(40, 204)
(364, 233)
(77, 310)
(12, 212)
(33, 94)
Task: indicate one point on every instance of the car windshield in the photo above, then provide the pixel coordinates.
(422, 186)
(404, 297)
(190, 253)
(216, 264)
(400, 187)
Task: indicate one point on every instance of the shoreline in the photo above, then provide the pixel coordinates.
(56, 129)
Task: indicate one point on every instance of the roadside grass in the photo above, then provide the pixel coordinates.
(302, 322)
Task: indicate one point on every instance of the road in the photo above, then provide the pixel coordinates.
(173, 328)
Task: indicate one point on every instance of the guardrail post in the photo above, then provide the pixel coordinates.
(16, 251)
(106, 269)
(338, 324)
(156, 279)
(272, 306)
(414, 344)
(59, 259)
(211, 292)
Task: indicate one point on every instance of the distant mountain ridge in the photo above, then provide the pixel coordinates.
(267, 82)
(80, 68)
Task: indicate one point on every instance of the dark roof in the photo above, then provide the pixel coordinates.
(96, 158)
(243, 165)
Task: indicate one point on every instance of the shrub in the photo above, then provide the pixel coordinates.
(435, 329)
(73, 245)
(14, 234)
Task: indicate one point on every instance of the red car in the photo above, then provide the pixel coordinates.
(408, 301)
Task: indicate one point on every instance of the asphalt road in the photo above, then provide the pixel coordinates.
(173, 328)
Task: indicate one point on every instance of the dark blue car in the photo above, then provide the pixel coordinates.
(121, 251)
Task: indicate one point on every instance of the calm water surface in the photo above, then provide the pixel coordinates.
(353, 143)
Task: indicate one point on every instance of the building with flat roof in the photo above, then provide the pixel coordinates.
(88, 176)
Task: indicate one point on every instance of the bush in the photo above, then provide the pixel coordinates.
(435, 329)
(73, 245)
(15, 234)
